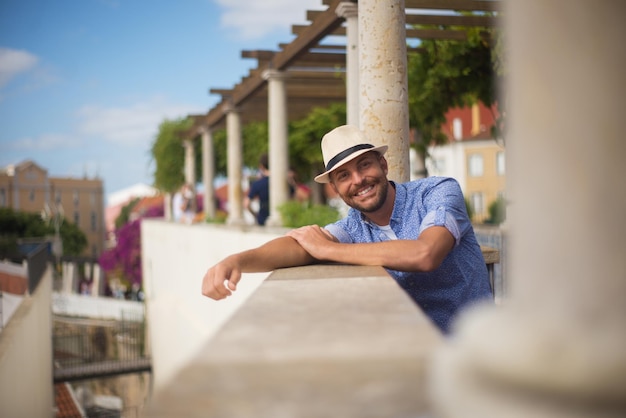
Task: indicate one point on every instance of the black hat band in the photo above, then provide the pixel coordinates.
(345, 153)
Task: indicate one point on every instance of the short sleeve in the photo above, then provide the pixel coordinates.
(339, 233)
(441, 217)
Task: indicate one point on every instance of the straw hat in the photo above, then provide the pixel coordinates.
(341, 145)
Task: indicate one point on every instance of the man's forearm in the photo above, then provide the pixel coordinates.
(277, 253)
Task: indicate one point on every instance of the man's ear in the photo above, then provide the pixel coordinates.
(384, 165)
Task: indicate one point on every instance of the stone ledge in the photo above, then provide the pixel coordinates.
(324, 340)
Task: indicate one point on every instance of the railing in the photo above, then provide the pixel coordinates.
(88, 349)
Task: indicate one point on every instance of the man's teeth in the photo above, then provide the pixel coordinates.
(364, 191)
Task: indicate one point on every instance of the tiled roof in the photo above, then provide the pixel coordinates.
(66, 404)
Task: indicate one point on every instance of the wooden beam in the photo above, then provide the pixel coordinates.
(467, 5)
(260, 55)
(222, 92)
(452, 20)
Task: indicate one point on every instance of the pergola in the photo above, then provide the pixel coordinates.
(316, 68)
(319, 67)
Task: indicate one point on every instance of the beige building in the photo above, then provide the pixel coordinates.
(27, 187)
(472, 157)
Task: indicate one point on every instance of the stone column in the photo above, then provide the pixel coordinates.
(278, 143)
(190, 163)
(190, 168)
(167, 207)
(383, 102)
(235, 166)
(349, 11)
(557, 347)
(208, 172)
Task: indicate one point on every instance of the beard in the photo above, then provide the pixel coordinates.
(374, 203)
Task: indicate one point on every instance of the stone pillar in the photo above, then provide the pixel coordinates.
(208, 172)
(557, 346)
(167, 207)
(190, 163)
(278, 143)
(383, 102)
(95, 282)
(190, 168)
(349, 11)
(235, 166)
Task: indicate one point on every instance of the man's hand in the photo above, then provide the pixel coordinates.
(220, 281)
(313, 239)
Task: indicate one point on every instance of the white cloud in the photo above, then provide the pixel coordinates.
(44, 142)
(14, 62)
(135, 124)
(253, 19)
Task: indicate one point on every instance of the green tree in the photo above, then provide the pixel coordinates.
(497, 211)
(445, 74)
(17, 224)
(168, 154)
(305, 153)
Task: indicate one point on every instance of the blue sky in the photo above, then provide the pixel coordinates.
(84, 84)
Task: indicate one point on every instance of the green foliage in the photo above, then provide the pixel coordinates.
(168, 154)
(305, 153)
(469, 209)
(304, 141)
(74, 240)
(497, 211)
(17, 224)
(220, 151)
(125, 212)
(448, 74)
(255, 138)
(296, 214)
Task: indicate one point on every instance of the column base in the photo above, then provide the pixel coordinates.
(506, 363)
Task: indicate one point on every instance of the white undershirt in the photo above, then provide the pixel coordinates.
(388, 231)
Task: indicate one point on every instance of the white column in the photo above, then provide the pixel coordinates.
(95, 282)
(167, 207)
(190, 162)
(190, 167)
(235, 166)
(383, 102)
(557, 347)
(278, 143)
(349, 11)
(208, 172)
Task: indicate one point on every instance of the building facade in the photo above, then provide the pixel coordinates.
(27, 187)
(472, 156)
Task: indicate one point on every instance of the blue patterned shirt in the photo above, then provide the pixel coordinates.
(462, 278)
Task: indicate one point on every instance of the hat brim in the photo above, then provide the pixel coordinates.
(325, 176)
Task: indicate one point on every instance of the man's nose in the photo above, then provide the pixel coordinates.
(357, 177)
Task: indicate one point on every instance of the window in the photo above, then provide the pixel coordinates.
(475, 165)
(500, 163)
(3, 198)
(77, 218)
(94, 222)
(75, 197)
(57, 197)
(31, 195)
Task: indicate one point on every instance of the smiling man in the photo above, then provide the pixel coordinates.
(419, 231)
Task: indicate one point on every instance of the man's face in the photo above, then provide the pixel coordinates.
(362, 183)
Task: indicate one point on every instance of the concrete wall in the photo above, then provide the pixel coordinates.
(175, 259)
(26, 357)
